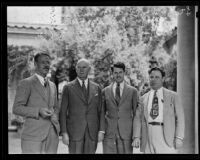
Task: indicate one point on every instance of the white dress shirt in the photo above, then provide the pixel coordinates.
(81, 82)
(121, 88)
(41, 79)
(159, 94)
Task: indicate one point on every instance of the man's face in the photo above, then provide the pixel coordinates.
(43, 65)
(156, 80)
(82, 70)
(118, 74)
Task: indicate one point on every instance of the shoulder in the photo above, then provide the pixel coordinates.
(93, 83)
(52, 83)
(145, 95)
(27, 81)
(170, 92)
(69, 84)
(131, 88)
(106, 88)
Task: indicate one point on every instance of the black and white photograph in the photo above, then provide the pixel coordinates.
(102, 79)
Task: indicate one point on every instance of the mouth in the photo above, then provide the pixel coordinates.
(47, 69)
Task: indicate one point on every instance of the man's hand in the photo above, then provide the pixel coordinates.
(45, 112)
(178, 143)
(65, 138)
(100, 136)
(54, 118)
(136, 142)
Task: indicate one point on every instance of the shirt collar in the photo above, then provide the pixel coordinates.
(41, 79)
(81, 81)
(121, 84)
(159, 90)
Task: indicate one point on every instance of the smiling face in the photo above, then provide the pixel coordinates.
(118, 74)
(156, 79)
(42, 65)
(82, 69)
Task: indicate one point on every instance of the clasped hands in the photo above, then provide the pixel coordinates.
(47, 113)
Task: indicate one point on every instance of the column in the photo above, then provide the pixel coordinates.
(186, 73)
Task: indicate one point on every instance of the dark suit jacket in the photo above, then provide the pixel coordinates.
(30, 97)
(77, 112)
(121, 115)
(173, 118)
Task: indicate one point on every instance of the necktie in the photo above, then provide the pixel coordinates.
(117, 94)
(154, 110)
(84, 89)
(45, 82)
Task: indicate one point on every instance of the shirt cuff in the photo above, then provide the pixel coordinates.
(179, 137)
(102, 132)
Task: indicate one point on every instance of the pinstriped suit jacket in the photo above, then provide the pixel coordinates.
(77, 112)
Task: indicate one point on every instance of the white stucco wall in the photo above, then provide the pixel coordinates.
(34, 14)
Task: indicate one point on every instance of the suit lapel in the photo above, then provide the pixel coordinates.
(38, 86)
(124, 93)
(112, 94)
(78, 90)
(91, 89)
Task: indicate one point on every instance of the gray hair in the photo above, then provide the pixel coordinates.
(83, 60)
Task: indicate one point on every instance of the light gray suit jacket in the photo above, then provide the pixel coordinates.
(173, 118)
(30, 97)
(121, 115)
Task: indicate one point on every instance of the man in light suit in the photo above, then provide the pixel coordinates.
(80, 112)
(159, 121)
(119, 106)
(36, 101)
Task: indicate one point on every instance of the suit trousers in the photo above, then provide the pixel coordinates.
(49, 145)
(84, 146)
(117, 145)
(156, 143)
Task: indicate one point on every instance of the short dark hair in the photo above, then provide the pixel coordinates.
(38, 54)
(118, 65)
(157, 69)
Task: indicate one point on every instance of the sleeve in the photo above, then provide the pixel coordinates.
(63, 110)
(135, 100)
(137, 122)
(20, 106)
(179, 117)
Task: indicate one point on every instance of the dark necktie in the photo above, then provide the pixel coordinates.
(45, 82)
(84, 89)
(117, 94)
(155, 109)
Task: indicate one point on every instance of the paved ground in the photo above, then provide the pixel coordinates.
(15, 148)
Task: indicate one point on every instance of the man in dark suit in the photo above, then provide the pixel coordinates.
(80, 112)
(119, 105)
(159, 122)
(36, 100)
